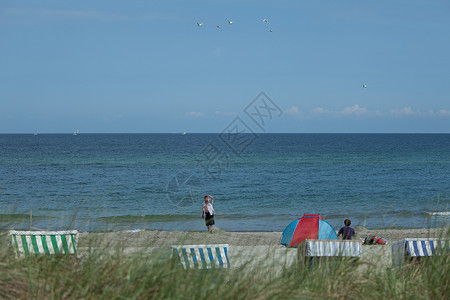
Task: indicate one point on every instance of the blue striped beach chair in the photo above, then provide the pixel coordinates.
(417, 247)
(44, 242)
(203, 256)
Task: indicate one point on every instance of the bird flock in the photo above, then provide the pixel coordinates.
(229, 22)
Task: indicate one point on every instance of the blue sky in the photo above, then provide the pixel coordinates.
(145, 66)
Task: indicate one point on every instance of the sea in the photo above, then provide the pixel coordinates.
(260, 182)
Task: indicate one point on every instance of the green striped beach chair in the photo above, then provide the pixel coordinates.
(44, 242)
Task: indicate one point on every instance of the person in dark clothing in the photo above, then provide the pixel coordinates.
(208, 212)
(347, 232)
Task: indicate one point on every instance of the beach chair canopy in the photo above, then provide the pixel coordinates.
(326, 248)
(307, 227)
(203, 256)
(417, 247)
(44, 242)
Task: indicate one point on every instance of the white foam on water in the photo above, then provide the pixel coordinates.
(133, 230)
(440, 213)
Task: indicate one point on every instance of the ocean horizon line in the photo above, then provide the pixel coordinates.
(258, 133)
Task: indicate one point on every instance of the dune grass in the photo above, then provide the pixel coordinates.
(114, 275)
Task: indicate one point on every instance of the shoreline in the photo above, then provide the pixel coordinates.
(131, 229)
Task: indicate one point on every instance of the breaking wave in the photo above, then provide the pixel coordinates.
(440, 213)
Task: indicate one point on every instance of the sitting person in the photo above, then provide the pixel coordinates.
(347, 232)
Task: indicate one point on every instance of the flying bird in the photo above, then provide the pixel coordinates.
(199, 24)
(230, 22)
(364, 85)
(265, 20)
(218, 26)
(270, 30)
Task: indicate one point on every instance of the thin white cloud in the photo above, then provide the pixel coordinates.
(408, 111)
(403, 111)
(353, 110)
(346, 111)
(62, 13)
(357, 110)
(82, 14)
(157, 16)
(293, 111)
(194, 114)
(444, 112)
(320, 110)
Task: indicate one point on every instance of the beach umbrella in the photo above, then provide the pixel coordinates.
(307, 227)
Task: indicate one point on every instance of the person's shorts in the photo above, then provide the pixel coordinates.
(209, 219)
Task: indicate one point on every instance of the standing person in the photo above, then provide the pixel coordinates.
(346, 231)
(208, 212)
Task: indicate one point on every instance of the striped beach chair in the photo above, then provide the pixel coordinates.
(203, 256)
(319, 250)
(417, 247)
(44, 242)
(330, 248)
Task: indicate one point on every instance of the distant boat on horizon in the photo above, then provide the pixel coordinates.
(76, 132)
(35, 133)
(183, 133)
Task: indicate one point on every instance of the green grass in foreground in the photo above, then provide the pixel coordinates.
(142, 276)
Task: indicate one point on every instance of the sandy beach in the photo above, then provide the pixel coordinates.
(157, 238)
(244, 247)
